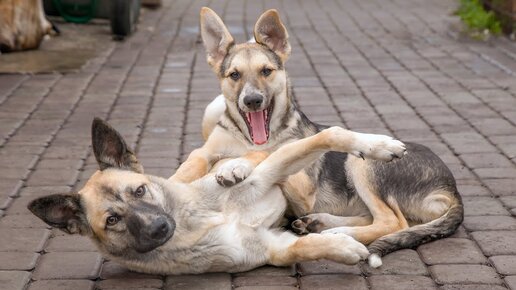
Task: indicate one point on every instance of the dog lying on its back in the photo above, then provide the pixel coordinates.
(372, 201)
(154, 225)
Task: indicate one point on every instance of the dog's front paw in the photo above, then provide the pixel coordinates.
(233, 172)
(349, 251)
(379, 147)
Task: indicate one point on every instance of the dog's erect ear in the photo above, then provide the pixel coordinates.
(271, 32)
(62, 211)
(110, 148)
(216, 37)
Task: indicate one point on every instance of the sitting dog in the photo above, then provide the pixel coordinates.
(154, 225)
(372, 201)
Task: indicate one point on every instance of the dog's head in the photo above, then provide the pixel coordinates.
(252, 74)
(120, 208)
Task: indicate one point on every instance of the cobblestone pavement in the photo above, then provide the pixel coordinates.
(384, 66)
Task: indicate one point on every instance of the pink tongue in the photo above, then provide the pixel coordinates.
(258, 127)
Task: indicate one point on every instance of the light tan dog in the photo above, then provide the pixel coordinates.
(155, 225)
(22, 24)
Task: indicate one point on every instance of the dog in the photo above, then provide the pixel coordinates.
(372, 201)
(23, 25)
(156, 225)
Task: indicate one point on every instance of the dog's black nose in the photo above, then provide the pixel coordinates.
(253, 101)
(159, 228)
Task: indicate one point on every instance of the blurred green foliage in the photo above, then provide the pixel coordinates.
(477, 19)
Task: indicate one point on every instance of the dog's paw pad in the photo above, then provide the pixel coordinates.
(233, 172)
(306, 225)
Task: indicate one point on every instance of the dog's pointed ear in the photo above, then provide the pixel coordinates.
(216, 38)
(110, 148)
(270, 31)
(62, 211)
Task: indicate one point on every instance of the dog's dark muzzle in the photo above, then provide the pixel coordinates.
(150, 230)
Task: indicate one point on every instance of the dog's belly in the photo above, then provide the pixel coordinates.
(264, 211)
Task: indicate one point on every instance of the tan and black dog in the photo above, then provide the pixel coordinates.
(374, 202)
(155, 225)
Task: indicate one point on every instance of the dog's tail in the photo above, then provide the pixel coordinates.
(414, 236)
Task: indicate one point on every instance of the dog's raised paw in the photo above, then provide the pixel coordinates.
(233, 172)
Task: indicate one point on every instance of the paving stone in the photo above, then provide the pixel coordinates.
(70, 243)
(508, 201)
(37, 191)
(403, 262)
(451, 251)
(401, 282)
(62, 285)
(498, 172)
(68, 265)
(505, 265)
(333, 282)
(482, 206)
(473, 190)
(326, 267)
(460, 233)
(486, 160)
(482, 223)
(14, 280)
(264, 281)
(14, 173)
(501, 186)
(19, 205)
(128, 283)
(511, 282)
(59, 163)
(267, 288)
(269, 271)
(472, 287)
(113, 270)
(22, 221)
(199, 282)
(9, 187)
(496, 242)
(53, 177)
(464, 274)
(23, 240)
(18, 260)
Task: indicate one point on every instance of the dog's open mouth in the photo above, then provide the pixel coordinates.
(258, 124)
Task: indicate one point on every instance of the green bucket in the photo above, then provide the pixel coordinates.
(76, 12)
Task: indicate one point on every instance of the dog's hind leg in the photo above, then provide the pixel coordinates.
(387, 217)
(318, 222)
(286, 249)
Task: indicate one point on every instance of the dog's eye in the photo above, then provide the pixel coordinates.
(140, 191)
(235, 75)
(112, 220)
(266, 72)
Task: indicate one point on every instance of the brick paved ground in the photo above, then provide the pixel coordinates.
(376, 66)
